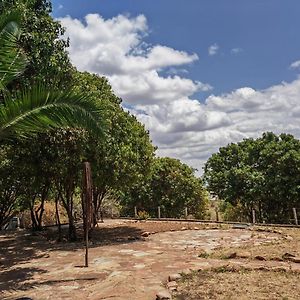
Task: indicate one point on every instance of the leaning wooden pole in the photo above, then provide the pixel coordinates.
(87, 201)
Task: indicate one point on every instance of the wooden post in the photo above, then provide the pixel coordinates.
(87, 201)
(185, 212)
(217, 214)
(158, 210)
(295, 215)
(253, 216)
(135, 212)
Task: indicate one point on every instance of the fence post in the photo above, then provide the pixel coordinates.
(158, 210)
(217, 214)
(185, 212)
(135, 212)
(295, 215)
(253, 216)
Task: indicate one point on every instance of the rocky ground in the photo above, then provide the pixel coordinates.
(133, 260)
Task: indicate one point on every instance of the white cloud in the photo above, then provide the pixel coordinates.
(295, 65)
(180, 125)
(213, 49)
(60, 6)
(236, 50)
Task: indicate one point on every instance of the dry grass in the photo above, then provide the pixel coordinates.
(287, 240)
(241, 285)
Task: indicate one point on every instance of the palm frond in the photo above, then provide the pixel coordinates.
(12, 59)
(38, 109)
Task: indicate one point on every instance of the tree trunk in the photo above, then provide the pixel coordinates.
(58, 218)
(98, 196)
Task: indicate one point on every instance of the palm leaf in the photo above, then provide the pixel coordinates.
(12, 59)
(38, 109)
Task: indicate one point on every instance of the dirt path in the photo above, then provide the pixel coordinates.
(126, 269)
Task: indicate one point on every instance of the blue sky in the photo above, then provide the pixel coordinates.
(266, 31)
(207, 72)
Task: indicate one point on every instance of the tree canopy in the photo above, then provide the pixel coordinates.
(261, 174)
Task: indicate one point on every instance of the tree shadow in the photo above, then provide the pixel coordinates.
(14, 279)
(21, 247)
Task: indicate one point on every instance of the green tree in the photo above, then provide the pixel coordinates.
(125, 155)
(171, 185)
(261, 174)
(36, 108)
(42, 42)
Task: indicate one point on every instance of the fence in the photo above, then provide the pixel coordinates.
(292, 221)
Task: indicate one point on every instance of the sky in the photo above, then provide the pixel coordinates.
(198, 73)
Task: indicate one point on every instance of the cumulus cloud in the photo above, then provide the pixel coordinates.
(236, 50)
(213, 49)
(181, 126)
(115, 48)
(295, 65)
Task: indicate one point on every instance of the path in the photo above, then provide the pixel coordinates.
(125, 270)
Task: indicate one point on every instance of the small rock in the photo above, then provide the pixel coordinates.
(295, 259)
(163, 295)
(244, 254)
(276, 258)
(277, 231)
(145, 234)
(174, 277)
(230, 255)
(187, 271)
(183, 228)
(287, 256)
(288, 238)
(172, 285)
(196, 228)
(263, 268)
(259, 257)
(280, 269)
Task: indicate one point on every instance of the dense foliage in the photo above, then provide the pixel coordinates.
(261, 174)
(172, 186)
(47, 164)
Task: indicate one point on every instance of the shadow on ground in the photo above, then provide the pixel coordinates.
(17, 248)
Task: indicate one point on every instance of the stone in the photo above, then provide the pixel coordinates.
(240, 226)
(145, 234)
(172, 285)
(244, 254)
(196, 228)
(187, 271)
(163, 295)
(288, 238)
(230, 255)
(280, 269)
(259, 257)
(276, 258)
(287, 256)
(295, 259)
(183, 228)
(174, 277)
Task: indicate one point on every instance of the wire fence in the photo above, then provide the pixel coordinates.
(291, 217)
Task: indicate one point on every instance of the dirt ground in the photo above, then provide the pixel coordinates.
(132, 260)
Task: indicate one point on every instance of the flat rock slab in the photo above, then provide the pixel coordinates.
(125, 270)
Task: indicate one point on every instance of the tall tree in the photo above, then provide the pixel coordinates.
(261, 174)
(171, 185)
